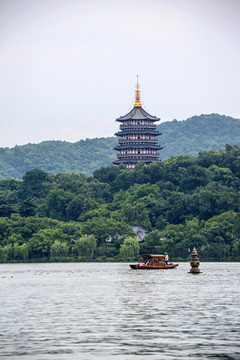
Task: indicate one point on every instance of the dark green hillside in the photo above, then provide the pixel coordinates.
(57, 156)
(199, 133)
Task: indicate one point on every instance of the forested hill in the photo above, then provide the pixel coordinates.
(181, 202)
(199, 133)
(191, 136)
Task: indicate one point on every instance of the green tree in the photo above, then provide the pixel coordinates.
(106, 229)
(178, 207)
(136, 215)
(35, 184)
(129, 250)
(98, 212)
(75, 207)
(57, 203)
(6, 210)
(27, 208)
(220, 228)
(236, 226)
(108, 174)
(86, 246)
(236, 250)
(152, 239)
(8, 251)
(161, 222)
(192, 177)
(21, 252)
(59, 249)
(3, 256)
(41, 242)
(213, 199)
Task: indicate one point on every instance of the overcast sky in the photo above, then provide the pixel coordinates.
(68, 67)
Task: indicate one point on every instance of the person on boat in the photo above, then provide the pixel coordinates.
(166, 258)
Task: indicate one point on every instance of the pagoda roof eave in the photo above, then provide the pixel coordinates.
(134, 161)
(135, 132)
(138, 113)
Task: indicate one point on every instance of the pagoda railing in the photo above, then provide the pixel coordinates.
(139, 127)
(137, 156)
(137, 141)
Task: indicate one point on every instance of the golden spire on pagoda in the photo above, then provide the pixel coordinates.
(137, 95)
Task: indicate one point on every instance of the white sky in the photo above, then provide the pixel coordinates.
(68, 67)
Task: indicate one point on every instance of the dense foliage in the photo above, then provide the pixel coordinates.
(83, 156)
(199, 133)
(182, 202)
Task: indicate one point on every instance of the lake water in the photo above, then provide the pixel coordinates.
(75, 311)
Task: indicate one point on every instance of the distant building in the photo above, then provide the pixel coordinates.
(140, 232)
(137, 136)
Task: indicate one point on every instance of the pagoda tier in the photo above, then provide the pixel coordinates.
(138, 145)
(137, 137)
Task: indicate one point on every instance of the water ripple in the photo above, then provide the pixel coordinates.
(106, 311)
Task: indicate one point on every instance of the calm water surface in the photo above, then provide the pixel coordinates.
(108, 311)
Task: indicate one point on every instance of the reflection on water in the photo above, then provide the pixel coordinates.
(108, 311)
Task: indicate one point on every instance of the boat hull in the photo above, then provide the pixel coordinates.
(164, 267)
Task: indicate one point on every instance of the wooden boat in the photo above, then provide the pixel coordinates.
(153, 262)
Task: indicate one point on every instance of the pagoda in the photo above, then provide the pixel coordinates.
(137, 136)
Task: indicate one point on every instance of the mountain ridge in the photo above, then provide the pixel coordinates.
(179, 137)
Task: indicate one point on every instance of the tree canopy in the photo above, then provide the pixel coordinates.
(182, 202)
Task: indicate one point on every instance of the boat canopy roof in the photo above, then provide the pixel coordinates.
(151, 256)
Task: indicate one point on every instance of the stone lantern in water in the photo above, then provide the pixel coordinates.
(194, 262)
